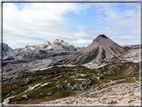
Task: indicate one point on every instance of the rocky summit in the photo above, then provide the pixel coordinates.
(59, 44)
(101, 48)
(59, 74)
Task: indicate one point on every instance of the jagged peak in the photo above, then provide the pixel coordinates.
(26, 46)
(58, 41)
(46, 43)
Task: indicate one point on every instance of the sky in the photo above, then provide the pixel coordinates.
(75, 23)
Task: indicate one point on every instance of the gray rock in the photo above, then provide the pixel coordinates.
(111, 72)
(76, 86)
(60, 87)
(51, 73)
(83, 75)
(50, 93)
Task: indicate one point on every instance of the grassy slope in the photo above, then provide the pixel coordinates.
(120, 71)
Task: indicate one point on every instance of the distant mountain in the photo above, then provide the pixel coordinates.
(102, 48)
(6, 49)
(33, 48)
(80, 48)
(59, 44)
(45, 50)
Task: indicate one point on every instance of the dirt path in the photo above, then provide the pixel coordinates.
(136, 80)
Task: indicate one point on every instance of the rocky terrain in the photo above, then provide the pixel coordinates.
(108, 94)
(133, 55)
(61, 80)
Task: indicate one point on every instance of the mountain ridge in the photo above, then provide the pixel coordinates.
(45, 50)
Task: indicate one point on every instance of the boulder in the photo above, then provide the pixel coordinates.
(111, 72)
(50, 93)
(83, 75)
(51, 73)
(76, 86)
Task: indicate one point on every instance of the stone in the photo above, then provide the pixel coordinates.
(51, 73)
(50, 93)
(25, 96)
(76, 86)
(83, 75)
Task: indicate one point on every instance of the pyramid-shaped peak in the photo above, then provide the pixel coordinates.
(102, 48)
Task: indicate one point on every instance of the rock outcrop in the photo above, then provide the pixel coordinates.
(6, 49)
(59, 44)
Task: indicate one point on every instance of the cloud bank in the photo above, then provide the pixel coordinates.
(76, 23)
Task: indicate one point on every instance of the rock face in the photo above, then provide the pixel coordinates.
(102, 48)
(33, 48)
(59, 44)
(6, 49)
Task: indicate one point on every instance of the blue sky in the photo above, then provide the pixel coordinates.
(75, 23)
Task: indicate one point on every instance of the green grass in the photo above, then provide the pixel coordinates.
(117, 77)
(17, 87)
(91, 56)
(103, 54)
(17, 98)
(62, 94)
(37, 97)
(115, 57)
(126, 48)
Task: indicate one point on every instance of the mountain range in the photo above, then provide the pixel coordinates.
(101, 48)
(45, 50)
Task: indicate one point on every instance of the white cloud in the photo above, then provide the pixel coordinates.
(38, 20)
(123, 22)
(36, 23)
(80, 34)
(82, 41)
